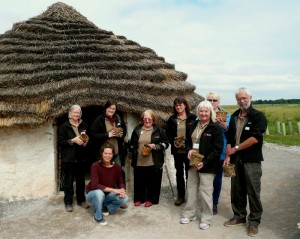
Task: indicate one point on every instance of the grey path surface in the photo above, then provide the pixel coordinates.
(46, 218)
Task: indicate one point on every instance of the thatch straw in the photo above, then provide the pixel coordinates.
(60, 58)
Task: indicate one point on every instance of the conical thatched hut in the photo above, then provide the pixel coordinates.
(57, 59)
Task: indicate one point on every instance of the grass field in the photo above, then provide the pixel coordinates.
(287, 113)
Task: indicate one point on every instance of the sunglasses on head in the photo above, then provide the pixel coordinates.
(212, 100)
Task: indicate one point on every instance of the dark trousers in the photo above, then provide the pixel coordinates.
(218, 183)
(181, 163)
(73, 171)
(147, 184)
(247, 182)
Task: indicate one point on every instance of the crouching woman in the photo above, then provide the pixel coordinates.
(106, 189)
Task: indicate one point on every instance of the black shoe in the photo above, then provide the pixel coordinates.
(215, 209)
(69, 208)
(179, 201)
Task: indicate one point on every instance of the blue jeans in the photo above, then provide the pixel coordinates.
(98, 198)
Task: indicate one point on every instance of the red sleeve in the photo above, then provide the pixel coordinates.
(96, 175)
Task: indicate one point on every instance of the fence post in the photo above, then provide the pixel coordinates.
(267, 131)
(290, 127)
(298, 124)
(283, 129)
(278, 130)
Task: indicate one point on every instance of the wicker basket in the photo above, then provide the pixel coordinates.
(196, 158)
(118, 131)
(84, 138)
(179, 142)
(229, 170)
(222, 115)
(146, 150)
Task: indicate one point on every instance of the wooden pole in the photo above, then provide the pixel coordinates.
(283, 129)
(290, 127)
(298, 125)
(278, 130)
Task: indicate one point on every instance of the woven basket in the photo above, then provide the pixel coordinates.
(118, 131)
(146, 150)
(229, 170)
(84, 138)
(179, 142)
(196, 158)
(222, 115)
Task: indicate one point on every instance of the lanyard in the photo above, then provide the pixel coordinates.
(199, 131)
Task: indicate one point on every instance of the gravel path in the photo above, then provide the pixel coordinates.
(46, 218)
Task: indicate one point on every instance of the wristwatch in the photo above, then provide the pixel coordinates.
(236, 147)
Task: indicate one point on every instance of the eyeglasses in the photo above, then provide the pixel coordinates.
(212, 100)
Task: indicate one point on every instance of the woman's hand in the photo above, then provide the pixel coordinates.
(199, 165)
(226, 161)
(152, 146)
(77, 140)
(121, 192)
(222, 123)
(190, 153)
(112, 134)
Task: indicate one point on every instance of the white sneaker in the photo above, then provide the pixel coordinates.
(204, 226)
(185, 220)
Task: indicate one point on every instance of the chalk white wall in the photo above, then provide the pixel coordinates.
(28, 162)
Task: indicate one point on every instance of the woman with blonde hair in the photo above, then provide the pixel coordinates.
(148, 143)
(205, 137)
(215, 99)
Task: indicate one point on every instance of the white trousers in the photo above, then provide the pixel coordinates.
(199, 196)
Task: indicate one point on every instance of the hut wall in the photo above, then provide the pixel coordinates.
(27, 162)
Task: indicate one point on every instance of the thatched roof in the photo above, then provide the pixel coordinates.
(59, 58)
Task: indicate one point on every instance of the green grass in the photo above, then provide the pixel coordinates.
(283, 113)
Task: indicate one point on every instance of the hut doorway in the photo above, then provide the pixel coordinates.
(89, 114)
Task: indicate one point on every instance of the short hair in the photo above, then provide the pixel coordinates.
(72, 108)
(215, 95)
(181, 100)
(243, 90)
(207, 104)
(104, 146)
(150, 112)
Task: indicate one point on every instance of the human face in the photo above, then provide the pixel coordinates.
(243, 100)
(107, 155)
(148, 121)
(75, 114)
(110, 111)
(214, 101)
(180, 108)
(204, 114)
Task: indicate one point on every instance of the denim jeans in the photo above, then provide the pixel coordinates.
(218, 183)
(98, 198)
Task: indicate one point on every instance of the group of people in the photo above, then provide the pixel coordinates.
(235, 139)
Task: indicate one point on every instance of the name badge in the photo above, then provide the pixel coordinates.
(195, 146)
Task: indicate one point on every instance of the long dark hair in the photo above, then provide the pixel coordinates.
(184, 101)
(106, 146)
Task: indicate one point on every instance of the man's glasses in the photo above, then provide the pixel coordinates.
(212, 100)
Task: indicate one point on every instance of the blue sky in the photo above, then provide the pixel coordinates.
(221, 45)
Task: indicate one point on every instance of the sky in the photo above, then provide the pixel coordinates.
(221, 44)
